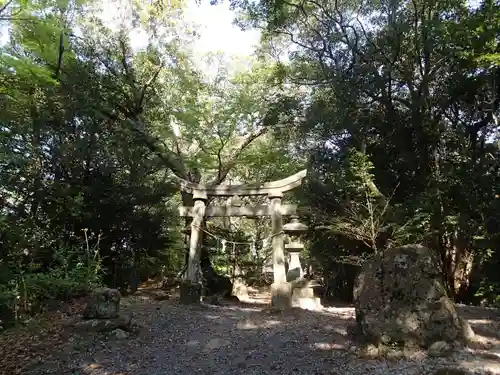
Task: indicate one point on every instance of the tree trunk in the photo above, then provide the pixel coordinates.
(462, 273)
(462, 258)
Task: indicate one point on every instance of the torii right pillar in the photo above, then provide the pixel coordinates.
(281, 290)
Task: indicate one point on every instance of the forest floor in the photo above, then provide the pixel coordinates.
(229, 339)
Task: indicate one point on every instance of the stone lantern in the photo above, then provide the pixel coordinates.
(294, 229)
(302, 290)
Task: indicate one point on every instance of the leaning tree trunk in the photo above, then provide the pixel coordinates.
(462, 258)
(458, 262)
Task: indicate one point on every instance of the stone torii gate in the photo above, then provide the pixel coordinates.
(280, 289)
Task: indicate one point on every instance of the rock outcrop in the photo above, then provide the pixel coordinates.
(240, 289)
(400, 298)
(104, 303)
(123, 322)
(213, 282)
(102, 314)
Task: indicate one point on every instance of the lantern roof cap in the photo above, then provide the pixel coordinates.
(294, 226)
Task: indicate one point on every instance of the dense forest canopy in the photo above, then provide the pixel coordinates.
(404, 104)
(392, 106)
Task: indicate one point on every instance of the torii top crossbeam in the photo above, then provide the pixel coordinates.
(266, 188)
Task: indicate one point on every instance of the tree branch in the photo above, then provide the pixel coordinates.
(235, 153)
(169, 158)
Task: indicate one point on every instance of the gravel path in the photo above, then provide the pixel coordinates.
(181, 340)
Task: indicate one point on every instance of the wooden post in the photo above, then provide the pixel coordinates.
(280, 289)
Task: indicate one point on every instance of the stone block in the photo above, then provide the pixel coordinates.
(281, 295)
(303, 292)
(190, 293)
(308, 303)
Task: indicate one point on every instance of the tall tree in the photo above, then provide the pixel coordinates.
(414, 86)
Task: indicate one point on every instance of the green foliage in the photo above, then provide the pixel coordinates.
(26, 285)
(91, 132)
(395, 105)
(82, 202)
(413, 88)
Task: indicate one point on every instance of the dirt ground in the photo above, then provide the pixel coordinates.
(233, 338)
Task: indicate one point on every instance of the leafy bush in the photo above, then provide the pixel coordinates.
(75, 272)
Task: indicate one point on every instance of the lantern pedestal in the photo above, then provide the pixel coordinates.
(295, 271)
(303, 295)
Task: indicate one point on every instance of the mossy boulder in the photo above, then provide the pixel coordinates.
(104, 303)
(400, 298)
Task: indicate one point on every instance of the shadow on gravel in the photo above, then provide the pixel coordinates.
(484, 321)
(250, 339)
(486, 328)
(246, 339)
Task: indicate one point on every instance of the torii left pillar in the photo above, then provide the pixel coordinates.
(191, 287)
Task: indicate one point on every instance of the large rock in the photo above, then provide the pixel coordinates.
(240, 289)
(104, 303)
(213, 282)
(400, 298)
(190, 293)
